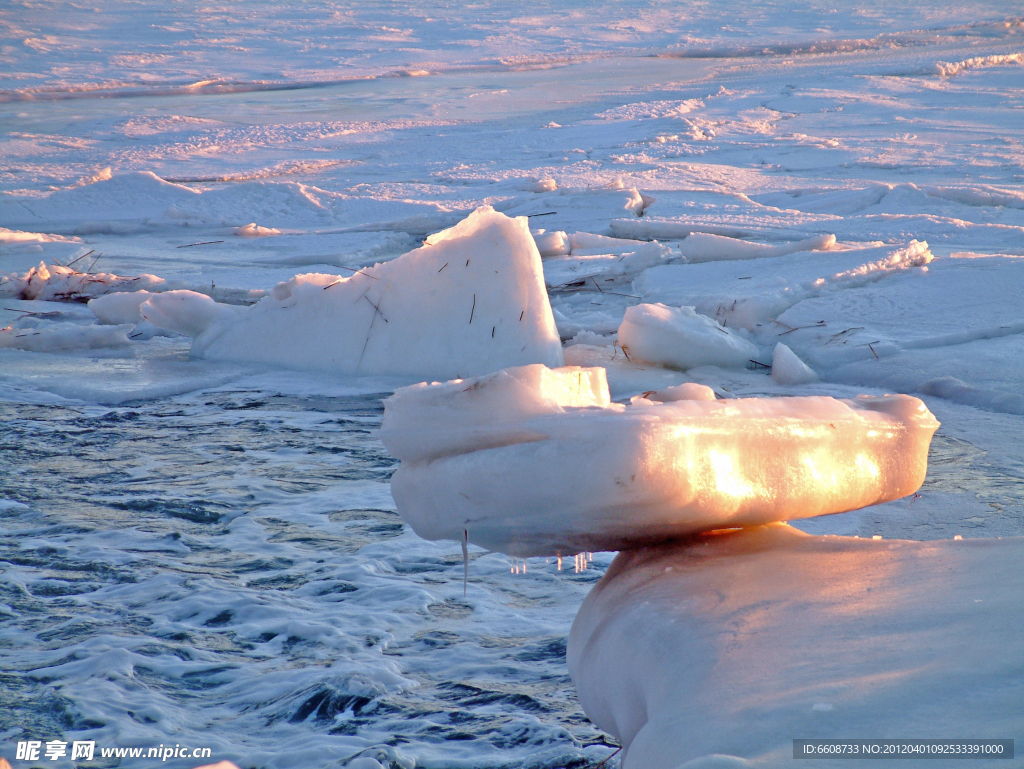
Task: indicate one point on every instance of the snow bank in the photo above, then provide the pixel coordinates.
(586, 244)
(540, 464)
(788, 369)
(65, 284)
(705, 247)
(736, 643)
(187, 312)
(680, 338)
(470, 301)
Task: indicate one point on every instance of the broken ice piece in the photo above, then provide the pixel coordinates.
(788, 369)
(469, 301)
(542, 463)
(681, 338)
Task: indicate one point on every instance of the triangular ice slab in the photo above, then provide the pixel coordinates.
(469, 301)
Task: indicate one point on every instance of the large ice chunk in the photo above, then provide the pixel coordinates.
(735, 643)
(533, 463)
(681, 338)
(469, 301)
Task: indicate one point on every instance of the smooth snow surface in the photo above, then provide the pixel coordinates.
(469, 301)
(735, 643)
(487, 459)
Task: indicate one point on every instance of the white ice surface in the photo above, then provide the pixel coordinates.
(734, 644)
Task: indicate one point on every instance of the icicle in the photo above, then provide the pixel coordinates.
(465, 562)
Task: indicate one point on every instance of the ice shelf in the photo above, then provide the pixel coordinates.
(723, 649)
(531, 461)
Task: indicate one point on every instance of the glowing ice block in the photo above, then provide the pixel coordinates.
(531, 463)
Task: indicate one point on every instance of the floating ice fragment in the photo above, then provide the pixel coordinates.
(469, 301)
(551, 243)
(788, 369)
(253, 230)
(187, 312)
(681, 338)
(64, 336)
(120, 307)
(537, 462)
(600, 267)
(17, 236)
(687, 391)
(705, 247)
(58, 283)
(587, 243)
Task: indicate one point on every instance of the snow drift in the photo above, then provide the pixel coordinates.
(733, 644)
(534, 462)
(469, 301)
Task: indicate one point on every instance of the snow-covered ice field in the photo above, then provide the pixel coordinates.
(206, 552)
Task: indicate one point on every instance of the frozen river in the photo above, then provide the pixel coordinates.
(208, 553)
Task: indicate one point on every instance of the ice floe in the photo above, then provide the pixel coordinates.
(731, 644)
(487, 459)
